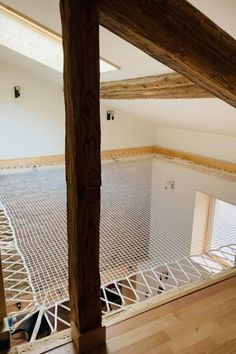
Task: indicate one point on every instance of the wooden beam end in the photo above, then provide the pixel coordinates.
(89, 340)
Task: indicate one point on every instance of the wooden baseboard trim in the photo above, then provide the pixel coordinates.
(44, 344)
(53, 160)
(205, 161)
(128, 152)
(29, 162)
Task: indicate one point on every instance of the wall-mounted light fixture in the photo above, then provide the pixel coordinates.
(110, 115)
(169, 185)
(17, 91)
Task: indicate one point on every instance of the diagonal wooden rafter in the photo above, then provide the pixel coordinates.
(178, 35)
(160, 86)
(171, 85)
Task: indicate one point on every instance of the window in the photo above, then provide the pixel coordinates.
(223, 228)
(214, 224)
(29, 39)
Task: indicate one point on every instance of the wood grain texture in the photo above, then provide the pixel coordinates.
(51, 160)
(167, 86)
(170, 296)
(200, 323)
(127, 152)
(201, 223)
(34, 161)
(80, 27)
(179, 36)
(201, 160)
(55, 160)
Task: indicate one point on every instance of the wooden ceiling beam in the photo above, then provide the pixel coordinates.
(178, 35)
(171, 85)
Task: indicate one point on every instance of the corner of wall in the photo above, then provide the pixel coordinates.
(222, 147)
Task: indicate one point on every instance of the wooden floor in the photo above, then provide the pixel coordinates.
(203, 322)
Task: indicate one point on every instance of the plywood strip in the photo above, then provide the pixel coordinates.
(52, 160)
(209, 162)
(124, 153)
(35, 161)
(128, 152)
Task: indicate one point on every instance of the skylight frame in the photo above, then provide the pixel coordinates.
(42, 44)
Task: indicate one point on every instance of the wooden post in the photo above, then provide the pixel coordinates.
(80, 28)
(5, 341)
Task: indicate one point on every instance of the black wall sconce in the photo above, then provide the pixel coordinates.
(110, 115)
(17, 91)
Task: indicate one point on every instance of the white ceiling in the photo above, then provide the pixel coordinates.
(222, 12)
(112, 48)
(210, 115)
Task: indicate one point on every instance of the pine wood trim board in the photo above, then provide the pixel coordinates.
(206, 161)
(35, 161)
(52, 160)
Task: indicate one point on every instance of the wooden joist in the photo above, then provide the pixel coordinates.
(171, 85)
(181, 37)
(80, 26)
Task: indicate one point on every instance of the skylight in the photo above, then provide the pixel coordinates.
(34, 42)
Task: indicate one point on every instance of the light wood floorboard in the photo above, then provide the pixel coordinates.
(202, 322)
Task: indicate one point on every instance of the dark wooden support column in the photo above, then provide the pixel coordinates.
(80, 27)
(178, 35)
(4, 330)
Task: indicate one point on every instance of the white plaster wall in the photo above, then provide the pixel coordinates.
(33, 124)
(221, 147)
(125, 131)
(172, 210)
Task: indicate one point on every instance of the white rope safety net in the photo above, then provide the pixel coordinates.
(136, 263)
